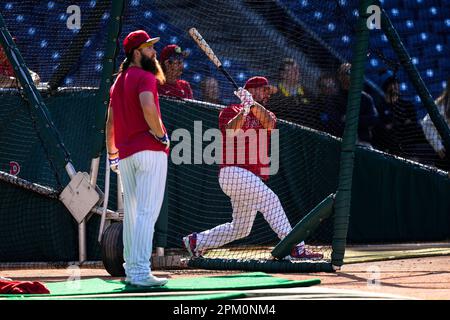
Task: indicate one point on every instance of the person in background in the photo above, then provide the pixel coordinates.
(7, 76)
(291, 97)
(386, 135)
(399, 131)
(368, 116)
(329, 117)
(210, 90)
(432, 135)
(172, 63)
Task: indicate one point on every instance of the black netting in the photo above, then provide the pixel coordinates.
(53, 45)
(65, 60)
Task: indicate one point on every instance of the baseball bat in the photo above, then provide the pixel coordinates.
(210, 54)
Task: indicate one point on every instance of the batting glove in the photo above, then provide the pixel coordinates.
(164, 139)
(242, 93)
(247, 102)
(114, 164)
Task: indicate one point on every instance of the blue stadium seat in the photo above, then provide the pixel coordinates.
(392, 4)
(399, 14)
(429, 12)
(435, 89)
(419, 4)
(440, 26)
(444, 64)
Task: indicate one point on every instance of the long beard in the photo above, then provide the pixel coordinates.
(153, 66)
(148, 64)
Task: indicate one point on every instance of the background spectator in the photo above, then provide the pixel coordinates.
(399, 131)
(443, 104)
(368, 115)
(171, 59)
(7, 75)
(210, 90)
(329, 116)
(291, 97)
(386, 136)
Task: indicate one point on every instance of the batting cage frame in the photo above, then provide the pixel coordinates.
(83, 198)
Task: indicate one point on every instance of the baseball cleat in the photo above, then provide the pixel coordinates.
(190, 244)
(300, 252)
(151, 281)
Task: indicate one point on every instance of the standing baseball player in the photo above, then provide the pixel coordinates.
(136, 133)
(243, 181)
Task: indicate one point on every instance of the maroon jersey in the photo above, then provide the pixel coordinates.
(131, 131)
(7, 69)
(180, 89)
(252, 160)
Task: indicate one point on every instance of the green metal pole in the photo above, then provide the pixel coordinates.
(114, 28)
(416, 79)
(305, 227)
(343, 194)
(57, 152)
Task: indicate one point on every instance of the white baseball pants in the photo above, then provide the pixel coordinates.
(144, 179)
(248, 195)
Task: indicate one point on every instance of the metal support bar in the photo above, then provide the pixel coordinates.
(119, 193)
(105, 202)
(344, 191)
(95, 163)
(117, 8)
(70, 170)
(82, 250)
(114, 27)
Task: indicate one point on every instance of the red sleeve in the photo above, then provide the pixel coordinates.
(190, 94)
(226, 115)
(274, 118)
(147, 83)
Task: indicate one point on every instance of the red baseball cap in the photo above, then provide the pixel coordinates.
(138, 38)
(257, 82)
(172, 50)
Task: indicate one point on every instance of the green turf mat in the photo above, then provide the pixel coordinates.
(211, 296)
(243, 281)
(370, 255)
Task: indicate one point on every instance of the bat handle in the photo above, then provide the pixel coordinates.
(228, 77)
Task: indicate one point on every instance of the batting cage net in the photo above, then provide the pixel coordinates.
(65, 63)
(236, 208)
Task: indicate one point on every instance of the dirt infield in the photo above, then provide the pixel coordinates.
(420, 278)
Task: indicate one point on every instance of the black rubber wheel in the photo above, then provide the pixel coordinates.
(112, 250)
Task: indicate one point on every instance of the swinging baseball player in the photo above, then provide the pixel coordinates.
(243, 181)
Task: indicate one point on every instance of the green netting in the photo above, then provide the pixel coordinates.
(26, 216)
